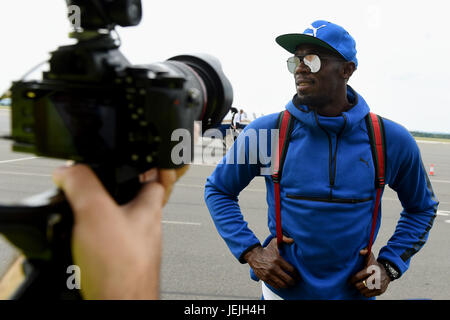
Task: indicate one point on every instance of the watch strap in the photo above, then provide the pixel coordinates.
(391, 270)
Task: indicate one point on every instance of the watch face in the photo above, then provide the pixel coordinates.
(393, 274)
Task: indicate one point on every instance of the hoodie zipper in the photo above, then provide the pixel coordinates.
(332, 158)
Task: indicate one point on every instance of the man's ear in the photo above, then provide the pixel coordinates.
(348, 68)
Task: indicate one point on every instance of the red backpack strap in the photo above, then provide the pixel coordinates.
(285, 125)
(375, 130)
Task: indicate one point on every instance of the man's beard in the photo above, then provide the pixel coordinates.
(313, 102)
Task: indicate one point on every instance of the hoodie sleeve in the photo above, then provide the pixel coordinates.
(409, 179)
(239, 166)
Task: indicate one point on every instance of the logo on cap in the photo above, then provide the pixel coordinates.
(314, 30)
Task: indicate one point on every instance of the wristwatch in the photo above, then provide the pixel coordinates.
(391, 270)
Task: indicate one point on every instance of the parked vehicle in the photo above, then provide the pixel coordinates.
(5, 102)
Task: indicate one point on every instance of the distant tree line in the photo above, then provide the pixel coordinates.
(430, 135)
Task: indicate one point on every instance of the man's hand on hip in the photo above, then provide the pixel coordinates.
(270, 267)
(372, 280)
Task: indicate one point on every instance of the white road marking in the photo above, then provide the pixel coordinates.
(19, 159)
(443, 213)
(25, 174)
(182, 222)
(440, 181)
(202, 187)
(448, 221)
(431, 142)
(189, 185)
(255, 190)
(202, 164)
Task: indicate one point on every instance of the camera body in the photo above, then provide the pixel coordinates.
(93, 106)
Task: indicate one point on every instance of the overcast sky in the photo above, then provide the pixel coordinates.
(403, 47)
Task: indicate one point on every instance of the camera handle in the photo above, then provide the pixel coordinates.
(41, 227)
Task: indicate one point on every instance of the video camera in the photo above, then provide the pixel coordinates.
(93, 106)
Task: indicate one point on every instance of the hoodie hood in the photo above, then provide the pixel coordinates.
(346, 121)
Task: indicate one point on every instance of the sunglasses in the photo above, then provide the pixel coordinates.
(312, 61)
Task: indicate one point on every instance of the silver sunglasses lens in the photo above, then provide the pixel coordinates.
(292, 64)
(313, 62)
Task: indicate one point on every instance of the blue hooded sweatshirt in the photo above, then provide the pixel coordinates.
(327, 197)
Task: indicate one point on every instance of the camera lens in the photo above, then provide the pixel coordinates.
(214, 86)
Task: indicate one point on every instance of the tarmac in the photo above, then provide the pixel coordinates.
(197, 264)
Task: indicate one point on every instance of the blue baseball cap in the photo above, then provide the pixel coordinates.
(325, 34)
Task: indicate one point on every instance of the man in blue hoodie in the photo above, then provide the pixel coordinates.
(327, 187)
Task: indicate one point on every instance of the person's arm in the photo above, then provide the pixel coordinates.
(233, 121)
(237, 119)
(409, 179)
(221, 195)
(222, 188)
(118, 248)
